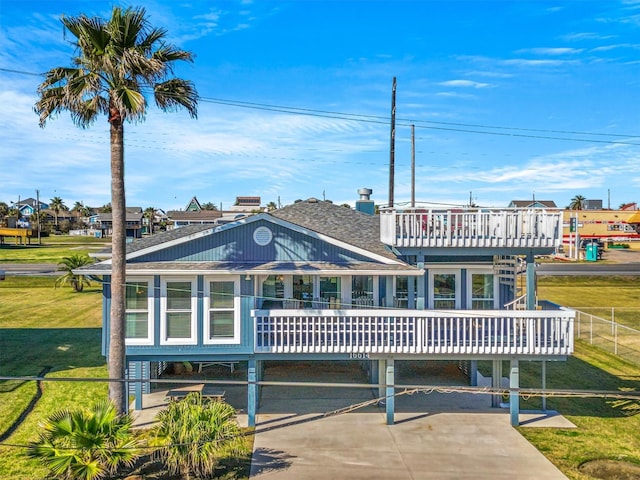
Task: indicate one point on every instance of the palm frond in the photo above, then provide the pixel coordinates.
(174, 93)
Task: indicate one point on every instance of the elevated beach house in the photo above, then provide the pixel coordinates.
(317, 281)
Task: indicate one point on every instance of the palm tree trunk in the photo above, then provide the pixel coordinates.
(116, 358)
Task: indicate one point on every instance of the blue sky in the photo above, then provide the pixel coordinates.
(509, 99)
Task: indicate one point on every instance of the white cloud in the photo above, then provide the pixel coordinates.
(464, 84)
(552, 51)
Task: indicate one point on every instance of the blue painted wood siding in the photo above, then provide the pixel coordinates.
(237, 245)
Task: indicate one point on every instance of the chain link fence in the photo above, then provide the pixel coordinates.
(609, 335)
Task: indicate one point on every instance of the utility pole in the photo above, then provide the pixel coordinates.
(392, 142)
(38, 210)
(413, 165)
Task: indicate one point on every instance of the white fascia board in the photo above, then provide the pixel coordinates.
(193, 236)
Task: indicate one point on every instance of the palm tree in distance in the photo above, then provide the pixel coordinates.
(118, 61)
(577, 203)
(56, 204)
(68, 265)
(150, 215)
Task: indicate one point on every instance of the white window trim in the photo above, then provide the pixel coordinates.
(490, 271)
(458, 284)
(236, 311)
(150, 313)
(193, 340)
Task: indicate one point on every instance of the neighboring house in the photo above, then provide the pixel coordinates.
(179, 218)
(317, 281)
(532, 204)
(246, 204)
(103, 222)
(29, 206)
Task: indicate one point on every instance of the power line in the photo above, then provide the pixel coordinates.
(424, 124)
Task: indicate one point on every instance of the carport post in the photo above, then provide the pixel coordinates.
(252, 393)
(382, 366)
(514, 391)
(390, 394)
(137, 388)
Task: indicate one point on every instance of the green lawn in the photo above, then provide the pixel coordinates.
(596, 295)
(44, 327)
(58, 332)
(52, 250)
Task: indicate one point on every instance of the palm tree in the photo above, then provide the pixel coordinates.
(56, 204)
(87, 445)
(117, 62)
(4, 211)
(68, 265)
(577, 203)
(193, 433)
(150, 215)
(271, 206)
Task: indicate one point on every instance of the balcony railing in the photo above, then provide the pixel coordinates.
(471, 228)
(461, 332)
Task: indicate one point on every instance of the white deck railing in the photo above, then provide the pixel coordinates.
(471, 228)
(466, 332)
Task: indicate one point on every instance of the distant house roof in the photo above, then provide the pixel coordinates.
(130, 216)
(193, 205)
(532, 204)
(629, 206)
(32, 202)
(248, 201)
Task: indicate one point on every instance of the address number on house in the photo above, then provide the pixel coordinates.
(359, 356)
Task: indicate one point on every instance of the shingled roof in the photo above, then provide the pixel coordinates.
(342, 223)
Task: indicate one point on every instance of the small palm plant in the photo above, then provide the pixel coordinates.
(68, 265)
(86, 444)
(194, 434)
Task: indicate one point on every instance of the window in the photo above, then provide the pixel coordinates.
(222, 323)
(273, 291)
(445, 289)
(303, 289)
(138, 312)
(330, 291)
(179, 309)
(482, 291)
(362, 286)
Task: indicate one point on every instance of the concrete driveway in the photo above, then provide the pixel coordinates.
(436, 436)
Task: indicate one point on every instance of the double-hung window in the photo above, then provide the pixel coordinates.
(138, 312)
(222, 320)
(179, 311)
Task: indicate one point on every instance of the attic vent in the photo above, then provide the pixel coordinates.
(262, 236)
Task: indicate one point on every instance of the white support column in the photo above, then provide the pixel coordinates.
(390, 394)
(514, 393)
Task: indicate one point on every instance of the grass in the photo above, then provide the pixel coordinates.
(53, 330)
(596, 295)
(606, 429)
(52, 250)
